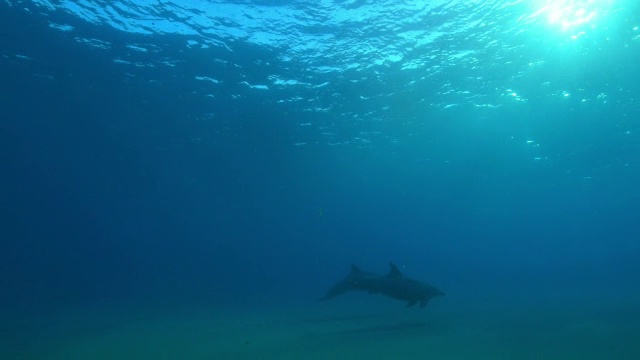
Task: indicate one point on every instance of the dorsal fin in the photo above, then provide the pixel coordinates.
(394, 271)
(355, 270)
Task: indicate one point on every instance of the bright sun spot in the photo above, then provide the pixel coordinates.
(570, 14)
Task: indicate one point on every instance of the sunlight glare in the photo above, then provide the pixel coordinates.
(569, 15)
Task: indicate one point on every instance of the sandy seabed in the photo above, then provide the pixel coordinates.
(355, 327)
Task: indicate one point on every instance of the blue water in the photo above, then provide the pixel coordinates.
(170, 157)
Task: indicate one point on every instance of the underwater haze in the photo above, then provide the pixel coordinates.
(186, 179)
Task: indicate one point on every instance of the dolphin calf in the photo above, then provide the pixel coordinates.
(393, 285)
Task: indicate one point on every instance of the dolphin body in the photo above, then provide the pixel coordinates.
(393, 285)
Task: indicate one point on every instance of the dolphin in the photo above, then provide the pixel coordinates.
(393, 285)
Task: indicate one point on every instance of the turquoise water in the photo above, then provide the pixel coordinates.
(186, 179)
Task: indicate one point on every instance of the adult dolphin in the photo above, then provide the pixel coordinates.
(394, 285)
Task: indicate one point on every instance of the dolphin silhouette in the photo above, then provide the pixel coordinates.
(393, 285)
